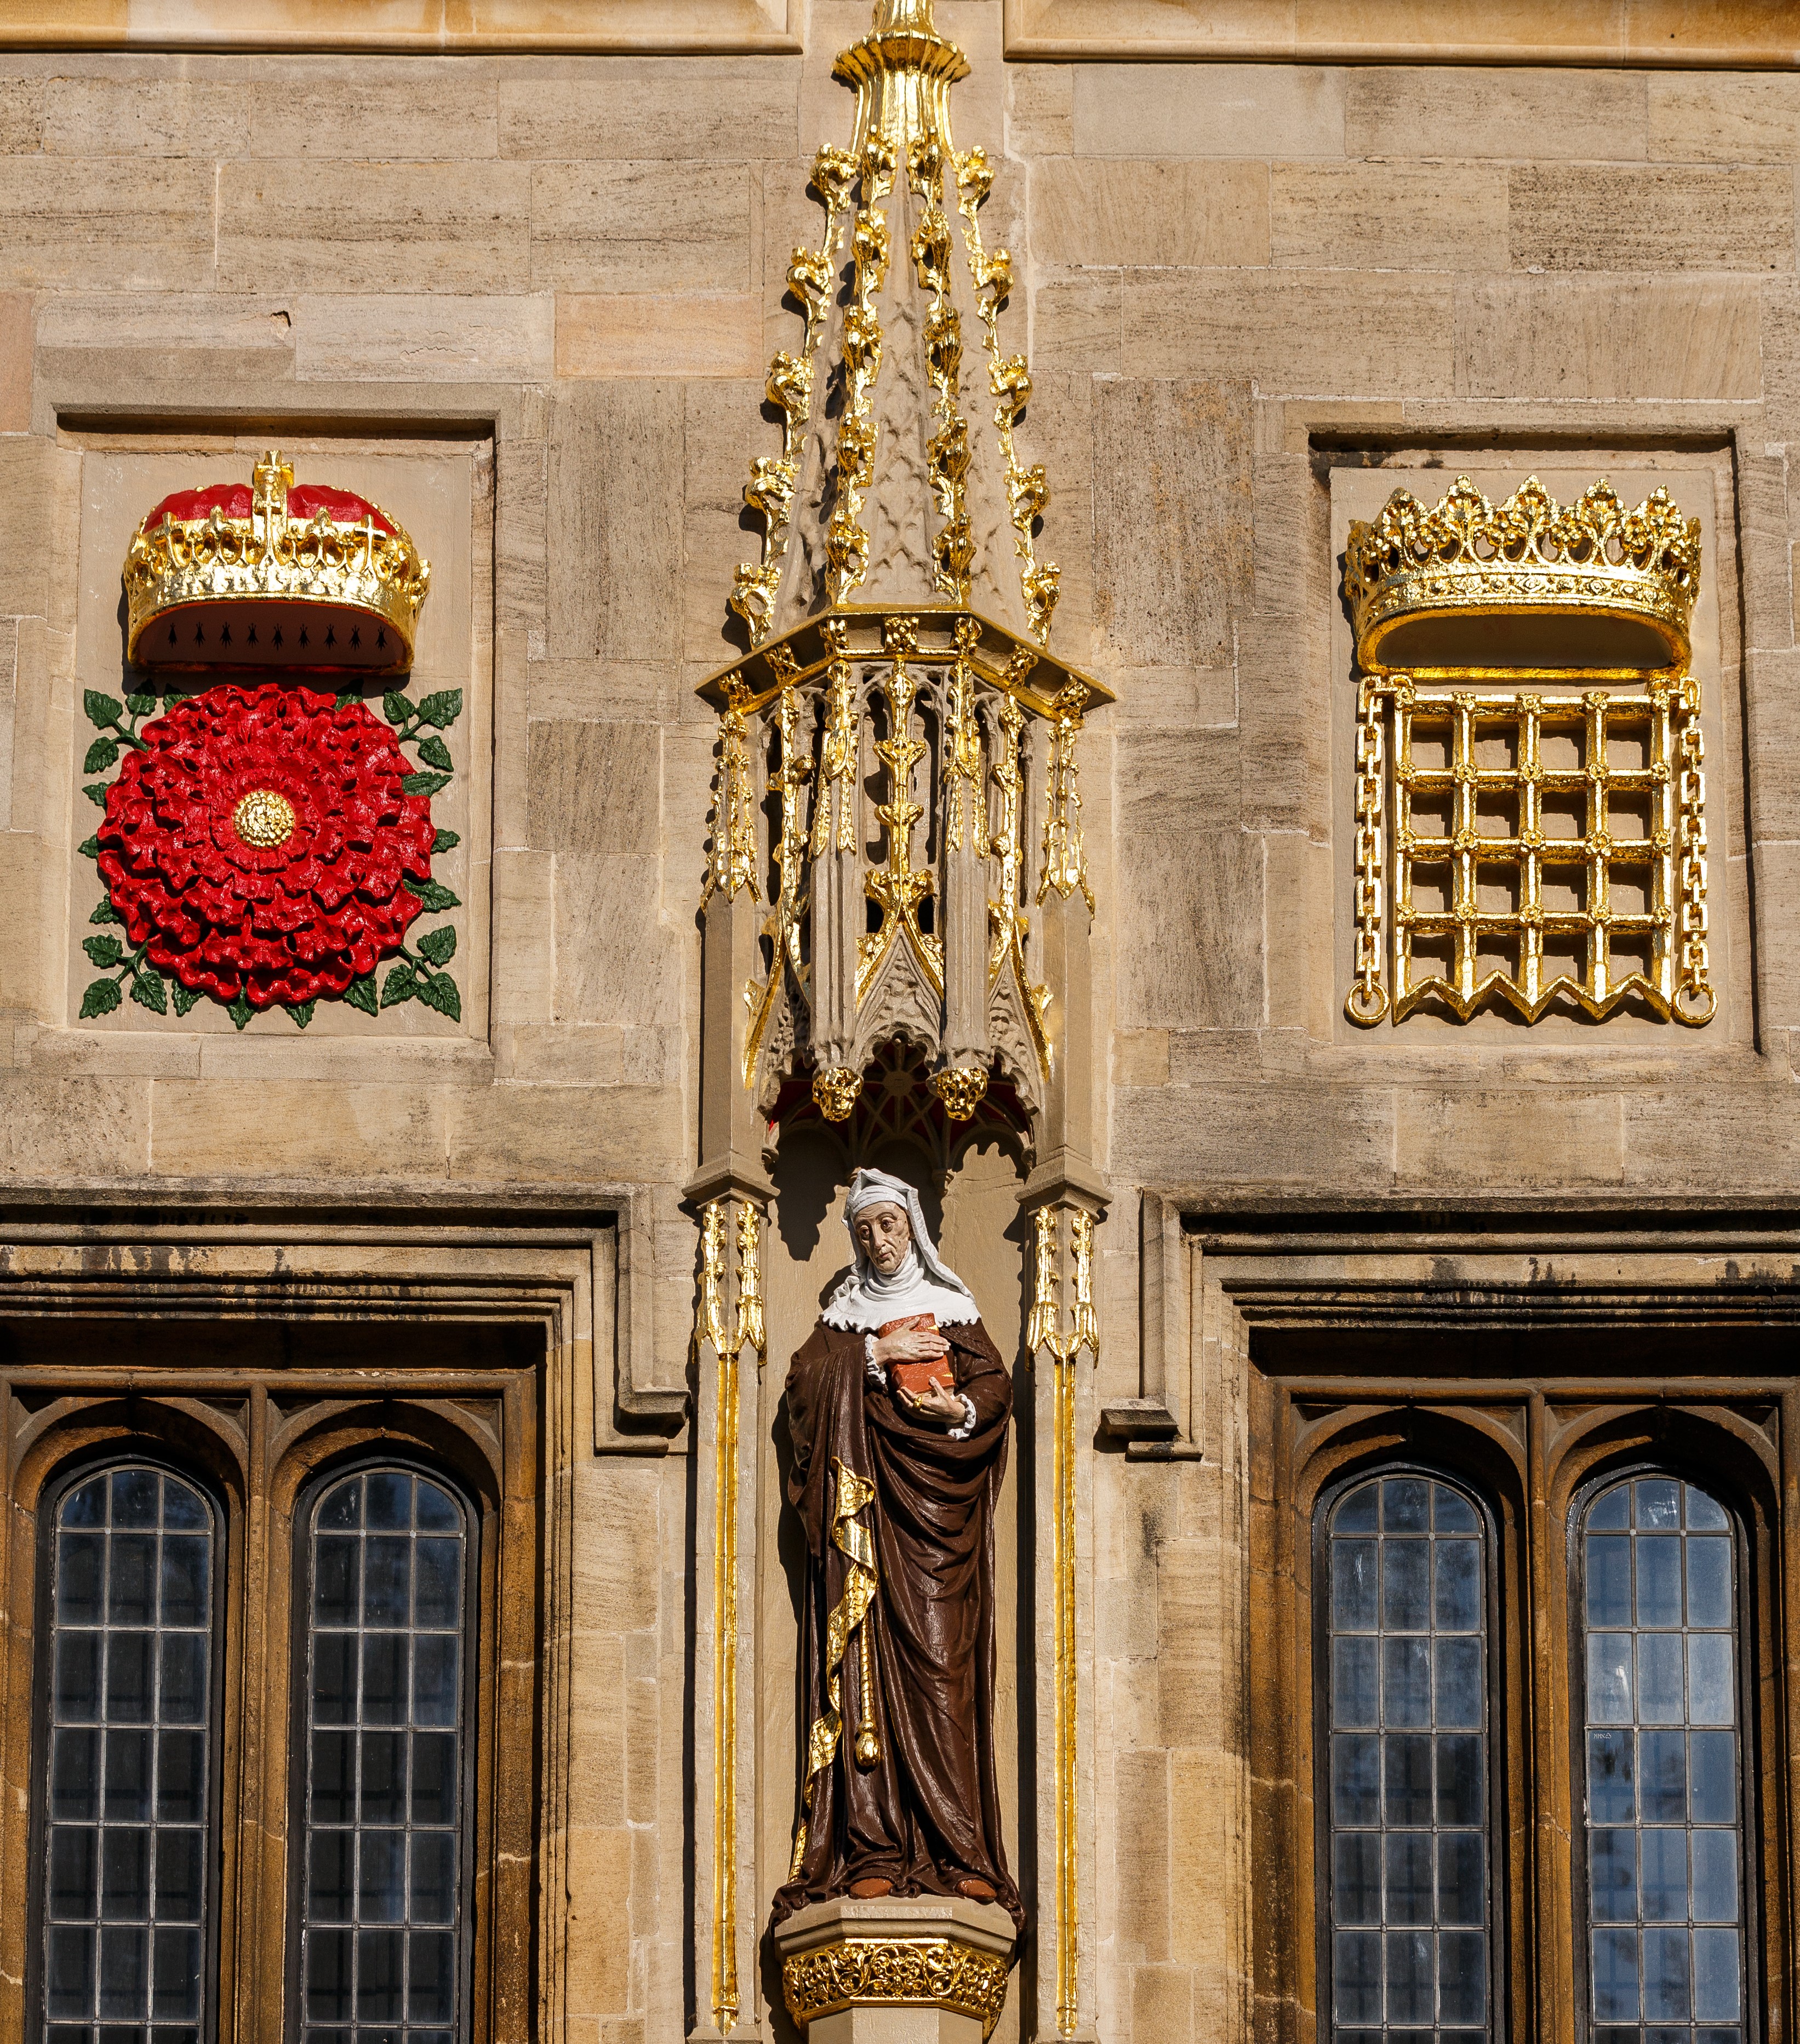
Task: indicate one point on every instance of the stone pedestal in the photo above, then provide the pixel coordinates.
(930, 1970)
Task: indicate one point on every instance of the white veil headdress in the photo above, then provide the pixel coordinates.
(923, 1284)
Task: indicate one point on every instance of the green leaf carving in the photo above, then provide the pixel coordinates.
(360, 993)
(149, 990)
(401, 984)
(96, 793)
(91, 848)
(302, 1012)
(106, 913)
(435, 899)
(442, 708)
(395, 707)
(103, 951)
(446, 841)
(439, 992)
(103, 710)
(439, 946)
(435, 753)
(140, 705)
(423, 784)
(101, 997)
(185, 997)
(239, 1010)
(101, 754)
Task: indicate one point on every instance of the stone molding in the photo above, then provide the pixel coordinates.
(643, 27)
(1746, 37)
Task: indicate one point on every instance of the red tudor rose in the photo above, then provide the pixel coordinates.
(262, 842)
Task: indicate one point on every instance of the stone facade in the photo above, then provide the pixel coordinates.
(538, 291)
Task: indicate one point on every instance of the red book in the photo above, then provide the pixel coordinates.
(912, 1377)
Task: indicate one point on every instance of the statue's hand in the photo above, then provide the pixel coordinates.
(916, 1345)
(937, 1403)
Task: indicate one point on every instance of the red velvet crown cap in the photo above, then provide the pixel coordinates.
(343, 507)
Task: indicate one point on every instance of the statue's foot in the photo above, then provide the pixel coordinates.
(976, 1889)
(866, 1891)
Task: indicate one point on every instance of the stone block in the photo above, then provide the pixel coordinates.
(1078, 323)
(638, 109)
(1301, 992)
(316, 225)
(1724, 117)
(598, 1871)
(1284, 714)
(156, 116)
(1084, 212)
(1597, 217)
(1692, 337)
(1280, 110)
(1485, 1138)
(112, 225)
(1539, 112)
(1140, 1790)
(1272, 1135)
(40, 485)
(1171, 519)
(21, 116)
(411, 110)
(15, 362)
(645, 227)
(202, 1126)
(1675, 1141)
(1765, 551)
(615, 961)
(593, 788)
(1300, 331)
(503, 1133)
(1040, 110)
(250, 329)
(1439, 215)
(55, 1129)
(521, 489)
(390, 337)
(615, 522)
(660, 333)
(1290, 533)
(524, 948)
(599, 689)
(1191, 953)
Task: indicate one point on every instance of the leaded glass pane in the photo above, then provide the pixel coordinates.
(127, 1856)
(1411, 1960)
(1665, 1943)
(382, 1896)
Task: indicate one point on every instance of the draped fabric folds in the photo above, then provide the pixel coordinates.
(925, 1814)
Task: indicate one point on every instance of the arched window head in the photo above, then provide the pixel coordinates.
(1663, 1763)
(383, 1914)
(1407, 1799)
(130, 1848)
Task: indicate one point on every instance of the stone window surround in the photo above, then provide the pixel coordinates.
(558, 1264)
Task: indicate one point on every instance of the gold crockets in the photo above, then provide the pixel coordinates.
(1530, 822)
(899, 697)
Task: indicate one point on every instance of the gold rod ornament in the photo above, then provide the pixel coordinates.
(745, 1329)
(1062, 1339)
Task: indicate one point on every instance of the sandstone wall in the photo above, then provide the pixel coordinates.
(1232, 278)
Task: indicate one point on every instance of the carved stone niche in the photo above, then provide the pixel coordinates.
(896, 880)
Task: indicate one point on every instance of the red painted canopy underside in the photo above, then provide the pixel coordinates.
(343, 507)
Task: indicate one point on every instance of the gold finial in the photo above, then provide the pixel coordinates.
(902, 15)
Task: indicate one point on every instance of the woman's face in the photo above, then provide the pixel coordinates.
(884, 1235)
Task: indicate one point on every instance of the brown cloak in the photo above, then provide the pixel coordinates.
(927, 1814)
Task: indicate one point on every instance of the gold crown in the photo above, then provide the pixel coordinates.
(1531, 559)
(311, 579)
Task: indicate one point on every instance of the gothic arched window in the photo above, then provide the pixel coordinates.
(382, 1907)
(1663, 1760)
(129, 1838)
(1408, 1796)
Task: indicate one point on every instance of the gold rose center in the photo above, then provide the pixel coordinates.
(264, 819)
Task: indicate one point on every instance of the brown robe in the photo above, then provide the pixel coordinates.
(926, 1816)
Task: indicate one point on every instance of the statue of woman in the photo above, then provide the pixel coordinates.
(900, 1435)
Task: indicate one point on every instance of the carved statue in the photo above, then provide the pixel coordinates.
(899, 1405)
